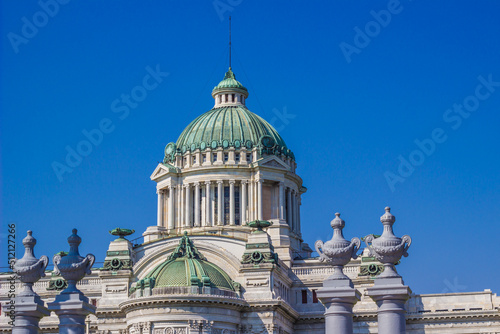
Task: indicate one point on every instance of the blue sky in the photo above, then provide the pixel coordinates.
(351, 86)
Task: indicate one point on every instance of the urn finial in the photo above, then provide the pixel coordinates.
(29, 268)
(337, 222)
(388, 249)
(337, 251)
(388, 217)
(73, 267)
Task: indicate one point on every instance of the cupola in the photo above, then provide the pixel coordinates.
(229, 92)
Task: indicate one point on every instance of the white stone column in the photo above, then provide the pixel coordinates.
(294, 212)
(220, 200)
(299, 201)
(187, 215)
(260, 215)
(178, 219)
(289, 218)
(338, 294)
(197, 204)
(171, 209)
(251, 201)
(243, 194)
(71, 305)
(281, 209)
(231, 202)
(181, 208)
(29, 308)
(390, 294)
(208, 203)
(389, 291)
(160, 208)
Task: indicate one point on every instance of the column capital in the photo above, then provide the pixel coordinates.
(208, 182)
(186, 185)
(196, 183)
(282, 183)
(220, 182)
(244, 182)
(179, 186)
(232, 181)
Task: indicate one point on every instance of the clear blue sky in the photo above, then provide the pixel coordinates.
(355, 105)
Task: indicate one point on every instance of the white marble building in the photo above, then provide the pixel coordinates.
(201, 269)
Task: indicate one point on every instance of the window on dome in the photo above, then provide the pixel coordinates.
(226, 204)
(237, 205)
(226, 157)
(194, 159)
(185, 161)
(204, 158)
(249, 157)
(214, 157)
(237, 157)
(233, 100)
(216, 207)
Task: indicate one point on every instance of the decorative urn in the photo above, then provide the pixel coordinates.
(73, 267)
(338, 251)
(121, 233)
(388, 249)
(259, 225)
(29, 268)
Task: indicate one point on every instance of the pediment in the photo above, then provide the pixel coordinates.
(159, 171)
(274, 162)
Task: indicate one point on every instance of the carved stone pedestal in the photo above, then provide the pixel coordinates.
(29, 306)
(29, 311)
(72, 309)
(339, 297)
(390, 294)
(338, 293)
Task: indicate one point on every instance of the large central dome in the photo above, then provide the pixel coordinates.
(227, 126)
(229, 123)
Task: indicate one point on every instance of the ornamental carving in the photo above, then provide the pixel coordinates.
(337, 251)
(388, 249)
(57, 284)
(73, 267)
(371, 269)
(117, 264)
(257, 257)
(29, 269)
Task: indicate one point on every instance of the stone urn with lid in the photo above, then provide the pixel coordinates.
(73, 267)
(388, 249)
(338, 251)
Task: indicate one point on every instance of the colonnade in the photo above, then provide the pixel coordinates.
(227, 202)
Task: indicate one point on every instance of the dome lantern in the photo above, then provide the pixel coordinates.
(229, 92)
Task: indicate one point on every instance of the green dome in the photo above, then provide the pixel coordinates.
(227, 126)
(187, 267)
(229, 82)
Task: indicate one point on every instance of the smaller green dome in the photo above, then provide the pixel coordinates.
(230, 83)
(187, 267)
